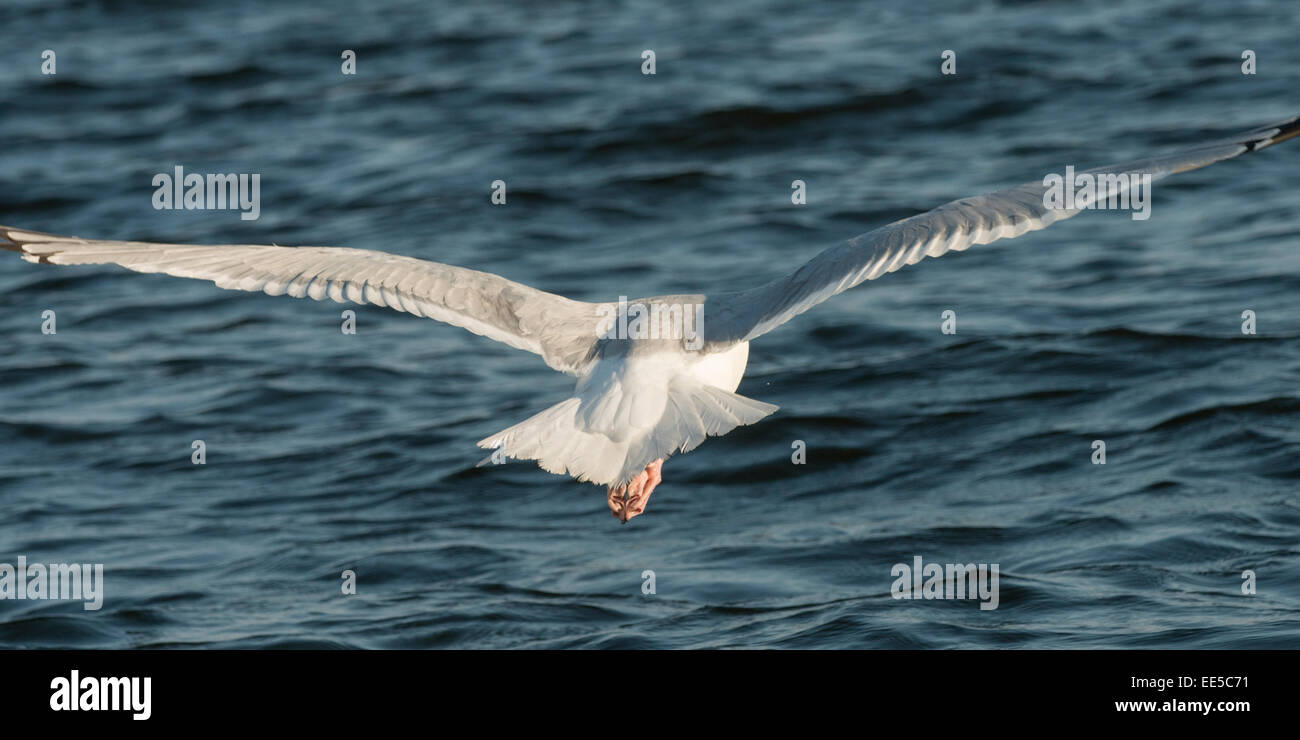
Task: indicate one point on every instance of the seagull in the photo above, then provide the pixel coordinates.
(640, 395)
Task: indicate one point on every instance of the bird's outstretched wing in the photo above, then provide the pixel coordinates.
(744, 315)
(562, 331)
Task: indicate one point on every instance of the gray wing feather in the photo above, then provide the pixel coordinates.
(562, 331)
(1005, 214)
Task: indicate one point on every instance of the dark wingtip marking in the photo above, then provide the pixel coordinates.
(1288, 130)
(10, 244)
(6, 242)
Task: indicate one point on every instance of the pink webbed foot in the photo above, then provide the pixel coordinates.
(629, 500)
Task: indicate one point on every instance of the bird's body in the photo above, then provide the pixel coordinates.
(640, 396)
(638, 402)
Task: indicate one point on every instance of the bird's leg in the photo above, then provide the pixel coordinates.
(637, 499)
(618, 496)
(629, 500)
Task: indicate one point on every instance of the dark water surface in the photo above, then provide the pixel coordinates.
(329, 452)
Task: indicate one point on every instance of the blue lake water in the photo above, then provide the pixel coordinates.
(328, 452)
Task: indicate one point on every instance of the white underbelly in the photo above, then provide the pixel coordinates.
(723, 369)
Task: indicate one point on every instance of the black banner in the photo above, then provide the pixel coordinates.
(943, 689)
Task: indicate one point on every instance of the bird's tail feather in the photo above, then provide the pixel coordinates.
(558, 441)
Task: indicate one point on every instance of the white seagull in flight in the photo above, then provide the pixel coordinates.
(637, 400)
